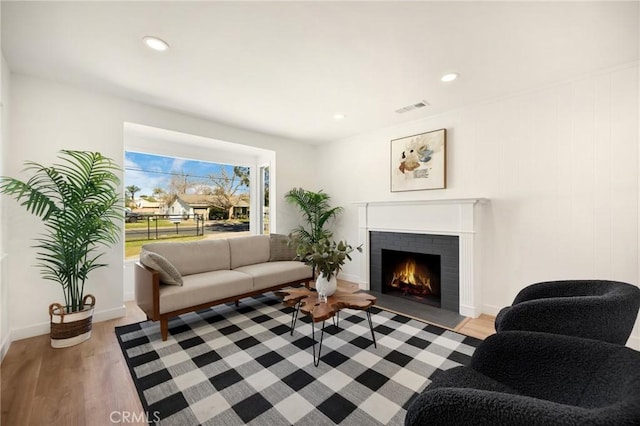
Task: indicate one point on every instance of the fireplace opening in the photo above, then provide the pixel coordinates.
(414, 276)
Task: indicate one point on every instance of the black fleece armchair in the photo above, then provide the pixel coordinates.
(528, 378)
(594, 309)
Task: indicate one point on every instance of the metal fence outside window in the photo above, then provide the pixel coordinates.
(163, 226)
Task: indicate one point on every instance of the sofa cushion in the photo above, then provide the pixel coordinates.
(203, 288)
(168, 273)
(194, 257)
(274, 273)
(280, 249)
(249, 250)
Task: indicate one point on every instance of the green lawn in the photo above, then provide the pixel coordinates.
(132, 248)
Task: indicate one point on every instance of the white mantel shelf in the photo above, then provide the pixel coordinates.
(423, 202)
(444, 217)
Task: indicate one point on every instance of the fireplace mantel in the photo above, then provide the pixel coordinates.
(440, 217)
(421, 202)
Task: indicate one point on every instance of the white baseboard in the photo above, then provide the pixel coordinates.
(44, 328)
(129, 297)
(30, 331)
(110, 314)
(4, 347)
(350, 277)
(469, 311)
(491, 309)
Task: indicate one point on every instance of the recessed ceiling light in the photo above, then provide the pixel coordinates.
(339, 116)
(155, 43)
(449, 77)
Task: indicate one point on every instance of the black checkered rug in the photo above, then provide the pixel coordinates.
(239, 365)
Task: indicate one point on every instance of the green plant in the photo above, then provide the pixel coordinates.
(326, 257)
(79, 203)
(316, 212)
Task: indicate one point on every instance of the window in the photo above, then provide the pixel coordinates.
(264, 200)
(180, 186)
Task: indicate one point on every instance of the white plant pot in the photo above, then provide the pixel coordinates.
(324, 287)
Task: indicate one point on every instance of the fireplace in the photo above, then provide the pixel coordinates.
(448, 225)
(420, 268)
(413, 276)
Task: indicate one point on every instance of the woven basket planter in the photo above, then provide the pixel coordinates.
(69, 329)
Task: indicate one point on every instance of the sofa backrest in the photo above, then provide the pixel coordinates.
(249, 250)
(281, 249)
(194, 257)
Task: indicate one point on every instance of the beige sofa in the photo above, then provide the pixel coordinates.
(178, 277)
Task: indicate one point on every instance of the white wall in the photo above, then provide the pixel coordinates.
(47, 117)
(5, 338)
(559, 165)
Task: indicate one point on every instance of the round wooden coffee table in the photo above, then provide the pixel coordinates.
(307, 301)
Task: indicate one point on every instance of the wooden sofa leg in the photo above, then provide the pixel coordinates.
(237, 303)
(164, 328)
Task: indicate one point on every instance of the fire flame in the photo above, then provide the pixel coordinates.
(408, 274)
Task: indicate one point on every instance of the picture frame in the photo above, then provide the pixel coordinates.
(419, 162)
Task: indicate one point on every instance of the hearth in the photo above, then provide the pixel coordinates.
(414, 276)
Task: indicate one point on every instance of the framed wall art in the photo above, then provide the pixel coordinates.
(418, 162)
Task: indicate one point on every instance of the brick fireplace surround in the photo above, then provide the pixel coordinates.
(454, 217)
(444, 246)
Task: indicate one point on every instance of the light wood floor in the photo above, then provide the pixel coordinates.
(89, 384)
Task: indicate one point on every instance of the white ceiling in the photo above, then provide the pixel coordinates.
(284, 68)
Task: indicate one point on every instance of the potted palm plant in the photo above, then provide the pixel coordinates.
(313, 245)
(316, 211)
(79, 203)
(326, 258)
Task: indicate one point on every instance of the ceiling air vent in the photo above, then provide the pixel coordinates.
(411, 107)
